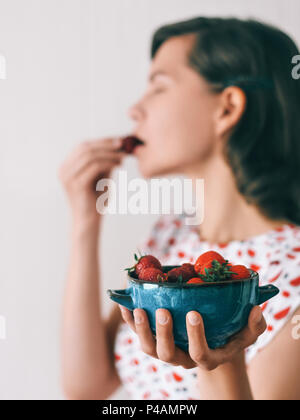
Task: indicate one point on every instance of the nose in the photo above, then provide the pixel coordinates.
(135, 112)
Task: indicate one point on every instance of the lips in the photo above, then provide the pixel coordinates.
(129, 143)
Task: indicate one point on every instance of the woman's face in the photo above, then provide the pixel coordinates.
(175, 115)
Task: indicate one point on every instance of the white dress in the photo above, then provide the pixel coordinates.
(275, 255)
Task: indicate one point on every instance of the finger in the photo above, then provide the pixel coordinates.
(199, 351)
(95, 171)
(87, 158)
(256, 323)
(110, 143)
(143, 330)
(127, 317)
(165, 345)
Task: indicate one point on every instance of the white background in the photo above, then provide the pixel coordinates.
(73, 69)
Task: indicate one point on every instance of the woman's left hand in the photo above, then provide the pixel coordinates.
(163, 347)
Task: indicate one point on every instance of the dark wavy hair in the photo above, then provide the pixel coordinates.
(264, 148)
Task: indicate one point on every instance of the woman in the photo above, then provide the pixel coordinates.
(220, 105)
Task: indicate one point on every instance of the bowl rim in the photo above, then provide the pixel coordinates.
(254, 276)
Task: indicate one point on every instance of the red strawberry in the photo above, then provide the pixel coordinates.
(180, 274)
(195, 280)
(152, 274)
(241, 272)
(129, 143)
(206, 258)
(189, 269)
(215, 271)
(148, 261)
(145, 261)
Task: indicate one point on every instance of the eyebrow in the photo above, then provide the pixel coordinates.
(158, 73)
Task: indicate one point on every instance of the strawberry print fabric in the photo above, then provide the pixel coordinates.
(275, 255)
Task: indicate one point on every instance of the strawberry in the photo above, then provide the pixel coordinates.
(240, 272)
(189, 268)
(145, 261)
(179, 274)
(206, 258)
(195, 280)
(152, 274)
(214, 271)
(129, 143)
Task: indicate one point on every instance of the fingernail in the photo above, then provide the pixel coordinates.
(162, 319)
(137, 318)
(193, 318)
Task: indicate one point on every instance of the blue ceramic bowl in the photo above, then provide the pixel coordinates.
(224, 306)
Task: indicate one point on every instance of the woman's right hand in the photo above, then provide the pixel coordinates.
(89, 162)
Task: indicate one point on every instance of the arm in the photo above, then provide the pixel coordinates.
(87, 364)
(86, 358)
(274, 371)
(227, 382)
(273, 374)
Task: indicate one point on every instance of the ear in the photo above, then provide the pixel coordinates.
(232, 105)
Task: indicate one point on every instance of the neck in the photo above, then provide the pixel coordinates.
(227, 215)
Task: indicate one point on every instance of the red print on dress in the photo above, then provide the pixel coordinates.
(263, 307)
(172, 241)
(152, 368)
(251, 252)
(291, 256)
(282, 314)
(295, 282)
(165, 394)
(177, 378)
(275, 278)
(177, 223)
(134, 362)
(151, 243)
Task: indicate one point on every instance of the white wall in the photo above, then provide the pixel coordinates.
(73, 69)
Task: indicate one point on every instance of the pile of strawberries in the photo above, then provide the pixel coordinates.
(209, 267)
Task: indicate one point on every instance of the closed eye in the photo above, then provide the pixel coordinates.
(158, 90)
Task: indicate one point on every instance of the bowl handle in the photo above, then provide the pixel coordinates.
(122, 297)
(266, 293)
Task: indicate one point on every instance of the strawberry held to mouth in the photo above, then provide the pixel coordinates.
(129, 143)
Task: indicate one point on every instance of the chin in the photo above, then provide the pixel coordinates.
(156, 172)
